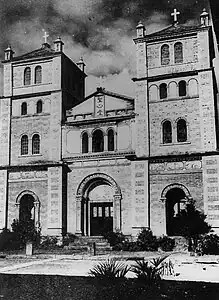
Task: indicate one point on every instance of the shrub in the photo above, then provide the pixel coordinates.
(8, 240)
(114, 238)
(24, 231)
(191, 224)
(166, 243)
(49, 242)
(147, 241)
(149, 271)
(69, 238)
(208, 244)
(109, 270)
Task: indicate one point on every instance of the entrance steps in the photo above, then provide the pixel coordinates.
(90, 244)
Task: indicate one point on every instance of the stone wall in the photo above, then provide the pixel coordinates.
(186, 173)
(119, 170)
(33, 181)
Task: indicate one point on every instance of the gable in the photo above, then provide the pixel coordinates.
(99, 104)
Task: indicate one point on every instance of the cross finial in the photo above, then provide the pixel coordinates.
(45, 37)
(175, 15)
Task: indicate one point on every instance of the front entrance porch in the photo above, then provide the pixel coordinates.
(98, 205)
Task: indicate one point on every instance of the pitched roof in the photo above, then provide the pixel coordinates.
(45, 50)
(111, 94)
(174, 30)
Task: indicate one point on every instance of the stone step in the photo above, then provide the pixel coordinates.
(86, 243)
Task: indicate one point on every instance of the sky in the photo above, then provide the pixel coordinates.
(101, 31)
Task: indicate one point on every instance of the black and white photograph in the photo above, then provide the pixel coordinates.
(109, 149)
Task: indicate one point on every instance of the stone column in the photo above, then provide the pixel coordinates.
(105, 142)
(37, 214)
(78, 215)
(117, 212)
(89, 143)
(115, 141)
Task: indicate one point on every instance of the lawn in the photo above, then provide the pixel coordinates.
(63, 287)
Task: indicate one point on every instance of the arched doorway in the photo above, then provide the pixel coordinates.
(98, 203)
(175, 196)
(28, 207)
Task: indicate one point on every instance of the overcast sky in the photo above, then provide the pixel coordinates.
(99, 30)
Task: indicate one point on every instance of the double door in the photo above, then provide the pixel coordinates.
(101, 217)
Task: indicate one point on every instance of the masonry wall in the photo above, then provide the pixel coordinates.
(119, 170)
(34, 181)
(162, 175)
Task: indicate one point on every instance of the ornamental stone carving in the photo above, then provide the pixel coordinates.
(176, 166)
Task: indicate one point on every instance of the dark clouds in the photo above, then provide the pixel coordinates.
(100, 30)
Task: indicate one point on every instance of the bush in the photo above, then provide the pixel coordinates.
(149, 271)
(69, 238)
(208, 244)
(24, 231)
(147, 241)
(109, 270)
(114, 238)
(49, 243)
(8, 240)
(166, 243)
(191, 224)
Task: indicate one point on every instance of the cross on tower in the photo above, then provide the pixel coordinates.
(45, 37)
(175, 15)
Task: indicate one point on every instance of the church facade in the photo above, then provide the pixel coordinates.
(107, 161)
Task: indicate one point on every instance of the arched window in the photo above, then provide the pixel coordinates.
(38, 75)
(23, 108)
(178, 53)
(182, 88)
(181, 131)
(193, 87)
(163, 91)
(24, 145)
(27, 76)
(167, 132)
(110, 140)
(36, 144)
(39, 107)
(85, 142)
(165, 55)
(98, 141)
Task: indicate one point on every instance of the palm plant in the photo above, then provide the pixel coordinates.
(149, 271)
(109, 270)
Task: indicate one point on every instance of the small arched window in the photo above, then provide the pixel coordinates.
(85, 142)
(24, 145)
(39, 107)
(110, 140)
(27, 76)
(181, 131)
(98, 141)
(23, 108)
(163, 91)
(38, 75)
(182, 88)
(167, 132)
(178, 53)
(165, 55)
(36, 144)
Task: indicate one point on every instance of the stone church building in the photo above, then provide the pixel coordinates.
(107, 161)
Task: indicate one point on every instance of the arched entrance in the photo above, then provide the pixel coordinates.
(28, 207)
(98, 204)
(176, 196)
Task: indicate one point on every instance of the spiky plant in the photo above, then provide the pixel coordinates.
(109, 270)
(149, 271)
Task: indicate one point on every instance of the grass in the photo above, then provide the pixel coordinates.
(16, 287)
